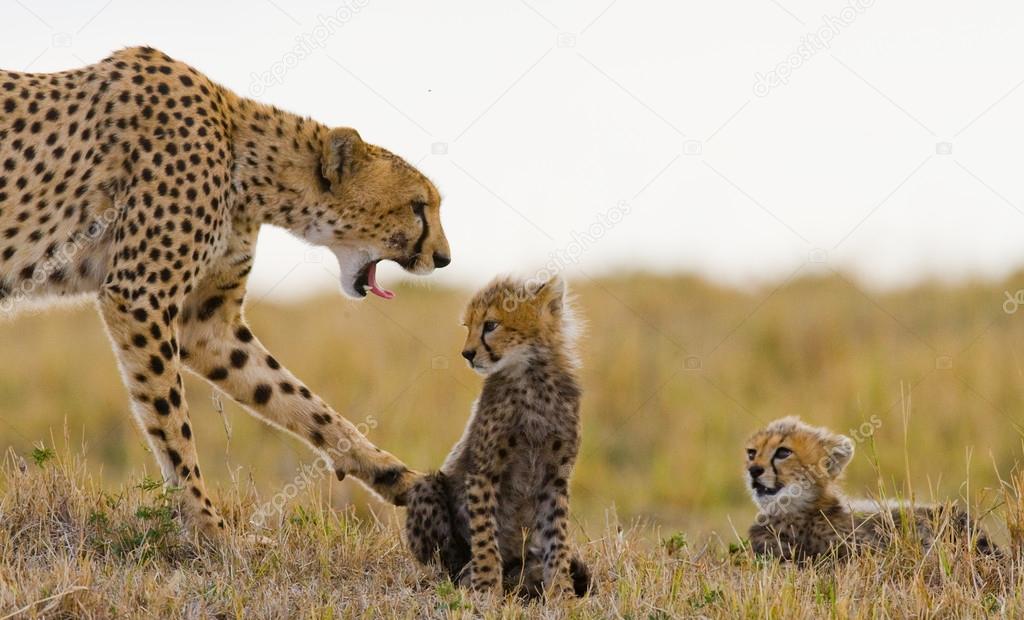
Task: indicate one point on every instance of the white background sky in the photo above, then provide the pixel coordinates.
(551, 113)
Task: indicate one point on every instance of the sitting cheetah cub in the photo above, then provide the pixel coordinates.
(496, 514)
(794, 470)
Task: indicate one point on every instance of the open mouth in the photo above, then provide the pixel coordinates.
(762, 491)
(359, 272)
(366, 282)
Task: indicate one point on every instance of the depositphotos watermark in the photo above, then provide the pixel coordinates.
(1013, 301)
(581, 242)
(811, 44)
(306, 44)
(798, 493)
(62, 256)
(308, 475)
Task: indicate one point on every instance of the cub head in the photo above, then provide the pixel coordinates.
(510, 321)
(370, 206)
(791, 465)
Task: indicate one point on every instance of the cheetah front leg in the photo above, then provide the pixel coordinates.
(220, 347)
(552, 525)
(144, 334)
(485, 566)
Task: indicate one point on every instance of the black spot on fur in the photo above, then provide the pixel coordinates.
(218, 374)
(239, 358)
(262, 394)
(162, 407)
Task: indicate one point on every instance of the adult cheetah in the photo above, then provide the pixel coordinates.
(139, 181)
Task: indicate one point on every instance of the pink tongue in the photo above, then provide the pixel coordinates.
(371, 279)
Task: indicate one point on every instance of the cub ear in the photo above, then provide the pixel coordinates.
(342, 148)
(840, 452)
(551, 295)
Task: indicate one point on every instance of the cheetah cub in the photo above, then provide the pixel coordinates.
(496, 514)
(793, 471)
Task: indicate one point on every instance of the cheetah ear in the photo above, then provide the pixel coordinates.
(840, 452)
(341, 149)
(551, 295)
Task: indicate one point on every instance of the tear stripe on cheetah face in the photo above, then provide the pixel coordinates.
(792, 471)
(510, 322)
(791, 465)
(189, 171)
(359, 200)
(497, 513)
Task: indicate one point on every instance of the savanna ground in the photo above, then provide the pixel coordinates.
(677, 373)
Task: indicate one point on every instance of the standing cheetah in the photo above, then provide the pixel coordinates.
(140, 182)
(501, 500)
(794, 470)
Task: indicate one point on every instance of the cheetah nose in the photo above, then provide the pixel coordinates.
(469, 354)
(441, 261)
(755, 472)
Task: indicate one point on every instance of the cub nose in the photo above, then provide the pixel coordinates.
(440, 260)
(469, 354)
(755, 472)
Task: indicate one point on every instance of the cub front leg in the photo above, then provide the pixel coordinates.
(552, 524)
(488, 437)
(146, 344)
(485, 567)
(224, 350)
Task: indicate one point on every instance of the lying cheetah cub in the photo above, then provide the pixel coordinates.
(794, 470)
(496, 515)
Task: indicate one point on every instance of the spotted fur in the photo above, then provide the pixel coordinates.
(141, 183)
(496, 515)
(793, 474)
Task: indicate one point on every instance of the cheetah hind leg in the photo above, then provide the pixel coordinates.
(430, 526)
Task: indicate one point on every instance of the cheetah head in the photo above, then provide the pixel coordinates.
(509, 321)
(372, 206)
(791, 465)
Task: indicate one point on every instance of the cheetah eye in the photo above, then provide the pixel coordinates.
(782, 453)
(751, 453)
(418, 206)
(490, 326)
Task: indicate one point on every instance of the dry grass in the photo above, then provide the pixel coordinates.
(70, 549)
(677, 373)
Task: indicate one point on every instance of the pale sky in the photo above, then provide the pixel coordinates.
(892, 150)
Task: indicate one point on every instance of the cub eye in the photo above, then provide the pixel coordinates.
(782, 453)
(490, 326)
(751, 453)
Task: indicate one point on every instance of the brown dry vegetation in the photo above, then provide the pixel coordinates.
(677, 373)
(69, 549)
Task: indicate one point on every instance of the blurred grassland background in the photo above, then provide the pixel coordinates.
(677, 373)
